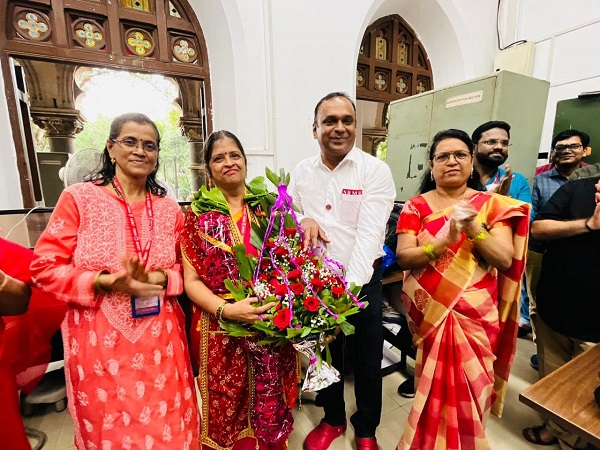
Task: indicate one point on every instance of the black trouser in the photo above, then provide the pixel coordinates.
(366, 349)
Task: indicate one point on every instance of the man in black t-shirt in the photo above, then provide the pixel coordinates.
(567, 292)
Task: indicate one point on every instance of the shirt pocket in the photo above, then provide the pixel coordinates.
(350, 208)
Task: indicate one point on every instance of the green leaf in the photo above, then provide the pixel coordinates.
(347, 328)
(305, 332)
(263, 326)
(269, 340)
(238, 291)
(242, 262)
(257, 185)
(289, 222)
(234, 328)
(272, 176)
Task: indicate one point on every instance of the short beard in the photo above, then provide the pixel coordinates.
(486, 161)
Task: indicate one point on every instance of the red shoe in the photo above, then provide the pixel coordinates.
(322, 436)
(369, 443)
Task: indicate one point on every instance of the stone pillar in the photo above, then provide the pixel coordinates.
(60, 126)
(192, 129)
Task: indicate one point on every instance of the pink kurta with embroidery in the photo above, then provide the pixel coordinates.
(129, 381)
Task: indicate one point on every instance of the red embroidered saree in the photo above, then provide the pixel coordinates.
(225, 379)
(464, 317)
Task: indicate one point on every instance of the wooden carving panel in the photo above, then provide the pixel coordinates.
(31, 24)
(89, 34)
(185, 49)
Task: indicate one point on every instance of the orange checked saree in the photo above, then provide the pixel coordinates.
(225, 376)
(463, 315)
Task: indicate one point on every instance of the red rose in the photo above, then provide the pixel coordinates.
(265, 263)
(281, 319)
(263, 277)
(311, 304)
(290, 232)
(297, 288)
(281, 251)
(280, 289)
(298, 260)
(317, 284)
(294, 274)
(337, 291)
(270, 243)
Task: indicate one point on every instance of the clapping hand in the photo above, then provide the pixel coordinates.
(504, 186)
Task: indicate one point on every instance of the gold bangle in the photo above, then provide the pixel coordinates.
(5, 282)
(97, 286)
(483, 234)
(429, 250)
(220, 309)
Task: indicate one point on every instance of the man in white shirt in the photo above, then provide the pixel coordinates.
(345, 197)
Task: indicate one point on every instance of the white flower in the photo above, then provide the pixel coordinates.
(113, 366)
(74, 346)
(126, 419)
(149, 442)
(56, 226)
(108, 422)
(137, 362)
(162, 409)
(89, 315)
(83, 398)
(88, 425)
(93, 338)
(121, 393)
(156, 329)
(166, 435)
(188, 415)
(157, 357)
(102, 395)
(159, 382)
(98, 369)
(140, 389)
(126, 443)
(145, 415)
(110, 339)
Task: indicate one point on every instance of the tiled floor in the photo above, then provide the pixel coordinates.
(503, 434)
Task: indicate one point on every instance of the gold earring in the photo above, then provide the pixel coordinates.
(113, 160)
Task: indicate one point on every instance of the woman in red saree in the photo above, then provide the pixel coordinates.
(225, 374)
(464, 251)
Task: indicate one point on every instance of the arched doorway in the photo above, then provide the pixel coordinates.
(392, 64)
(44, 41)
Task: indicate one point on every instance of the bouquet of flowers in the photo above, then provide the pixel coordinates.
(312, 300)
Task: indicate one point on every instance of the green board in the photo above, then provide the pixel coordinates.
(581, 114)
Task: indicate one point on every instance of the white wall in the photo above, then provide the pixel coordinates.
(567, 38)
(272, 60)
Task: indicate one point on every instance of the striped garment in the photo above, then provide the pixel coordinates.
(464, 318)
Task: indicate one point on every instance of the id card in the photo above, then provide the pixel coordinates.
(145, 306)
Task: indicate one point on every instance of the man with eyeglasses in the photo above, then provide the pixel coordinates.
(567, 222)
(492, 140)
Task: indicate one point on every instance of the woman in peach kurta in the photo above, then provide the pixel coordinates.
(129, 380)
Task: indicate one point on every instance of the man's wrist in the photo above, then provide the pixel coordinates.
(588, 227)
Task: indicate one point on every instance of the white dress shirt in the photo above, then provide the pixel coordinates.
(351, 203)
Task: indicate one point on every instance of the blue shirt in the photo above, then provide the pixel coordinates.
(519, 188)
(544, 186)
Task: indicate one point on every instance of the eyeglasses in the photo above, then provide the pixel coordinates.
(564, 148)
(131, 142)
(492, 142)
(458, 156)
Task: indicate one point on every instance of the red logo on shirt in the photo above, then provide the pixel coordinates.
(352, 192)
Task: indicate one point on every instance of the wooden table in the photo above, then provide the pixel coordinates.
(567, 396)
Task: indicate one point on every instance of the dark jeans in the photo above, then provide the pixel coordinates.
(366, 350)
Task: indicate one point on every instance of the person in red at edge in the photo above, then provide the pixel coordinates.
(29, 319)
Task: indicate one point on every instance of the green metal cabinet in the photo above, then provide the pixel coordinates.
(516, 99)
